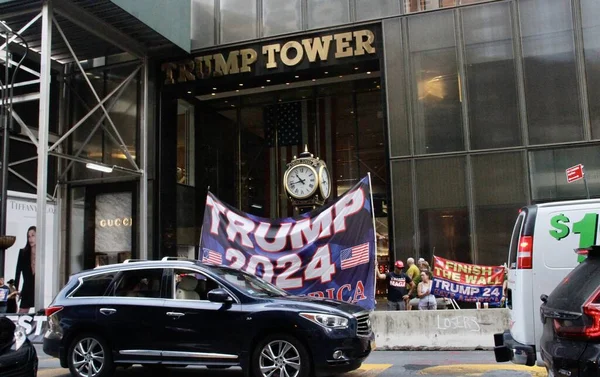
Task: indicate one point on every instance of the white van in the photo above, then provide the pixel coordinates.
(541, 254)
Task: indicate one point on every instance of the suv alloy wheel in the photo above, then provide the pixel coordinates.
(281, 353)
(90, 356)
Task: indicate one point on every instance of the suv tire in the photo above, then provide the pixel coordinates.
(280, 351)
(90, 351)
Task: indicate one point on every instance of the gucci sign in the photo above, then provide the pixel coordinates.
(109, 223)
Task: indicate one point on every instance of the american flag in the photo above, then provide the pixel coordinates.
(212, 257)
(283, 124)
(355, 256)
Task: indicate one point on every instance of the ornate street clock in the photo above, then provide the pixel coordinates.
(307, 182)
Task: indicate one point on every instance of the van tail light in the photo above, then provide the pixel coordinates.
(586, 327)
(525, 253)
(53, 310)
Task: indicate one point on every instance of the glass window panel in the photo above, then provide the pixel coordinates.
(124, 114)
(549, 179)
(397, 112)
(185, 144)
(550, 71)
(255, 175)
(238, 20)
(281, 17)
(443, 213)
(590, 11)
(437, 110)
(76, 230)
(421, 5)
(500, 190)
(323, 13)
(491, 84)
(404, 230)
(368, 9)
(347, 165)
(203, 23)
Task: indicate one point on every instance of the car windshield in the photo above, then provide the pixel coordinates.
(250, 284)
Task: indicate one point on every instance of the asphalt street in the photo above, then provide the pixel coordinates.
(380, 364)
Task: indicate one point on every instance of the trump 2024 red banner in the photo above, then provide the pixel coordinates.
(467, 282)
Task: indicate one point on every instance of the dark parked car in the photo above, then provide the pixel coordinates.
(570, 344)
(17, 355)
(179, 313)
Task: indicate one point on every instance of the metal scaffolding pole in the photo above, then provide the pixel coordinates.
(144, 168)
(42, 168)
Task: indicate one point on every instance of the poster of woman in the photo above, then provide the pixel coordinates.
(26, 268)
(19, 260)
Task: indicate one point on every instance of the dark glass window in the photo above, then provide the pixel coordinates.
(139, 283)
(238, 20)
(443, 213)
(94, 286)
(404, 230)
(491, 79)
(203, 23)
(499, 190)
(323, 13)
(365, 9)
(281, 17)
(590, 11)
(550, 71)
(549, 179)
(437, 112)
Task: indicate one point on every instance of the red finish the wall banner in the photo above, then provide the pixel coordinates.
(467, 282)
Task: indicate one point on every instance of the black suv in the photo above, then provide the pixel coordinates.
(178, 313)
(570, 343)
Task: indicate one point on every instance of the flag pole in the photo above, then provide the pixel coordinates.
(374, 237)
(202, 229)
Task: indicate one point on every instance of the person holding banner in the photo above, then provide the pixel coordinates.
(397, 282)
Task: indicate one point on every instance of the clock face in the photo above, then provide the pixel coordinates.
(301, 181)
(324, 182)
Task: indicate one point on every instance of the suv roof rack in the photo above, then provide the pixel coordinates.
(134, 260)
(180, 259)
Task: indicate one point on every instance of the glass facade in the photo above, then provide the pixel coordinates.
(242, 20)
(483, 105)
(485, 112)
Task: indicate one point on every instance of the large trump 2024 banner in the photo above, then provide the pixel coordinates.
(328, 253)
(467, 282)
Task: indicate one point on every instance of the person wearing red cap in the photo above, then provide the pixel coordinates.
(399, 285)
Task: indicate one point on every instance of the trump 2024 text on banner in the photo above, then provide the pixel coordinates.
(328, 253)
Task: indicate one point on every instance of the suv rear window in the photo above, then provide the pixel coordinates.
(94, 286)
(576, 288)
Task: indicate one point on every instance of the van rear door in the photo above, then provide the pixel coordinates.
(520, 278)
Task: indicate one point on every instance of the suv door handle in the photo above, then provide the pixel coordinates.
(175, 314)
(108, 311)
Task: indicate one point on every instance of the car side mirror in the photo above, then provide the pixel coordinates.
(219, 295)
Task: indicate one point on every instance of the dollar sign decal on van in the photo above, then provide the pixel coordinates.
(587, 228)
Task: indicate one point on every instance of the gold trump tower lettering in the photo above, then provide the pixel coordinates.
(291, 53)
